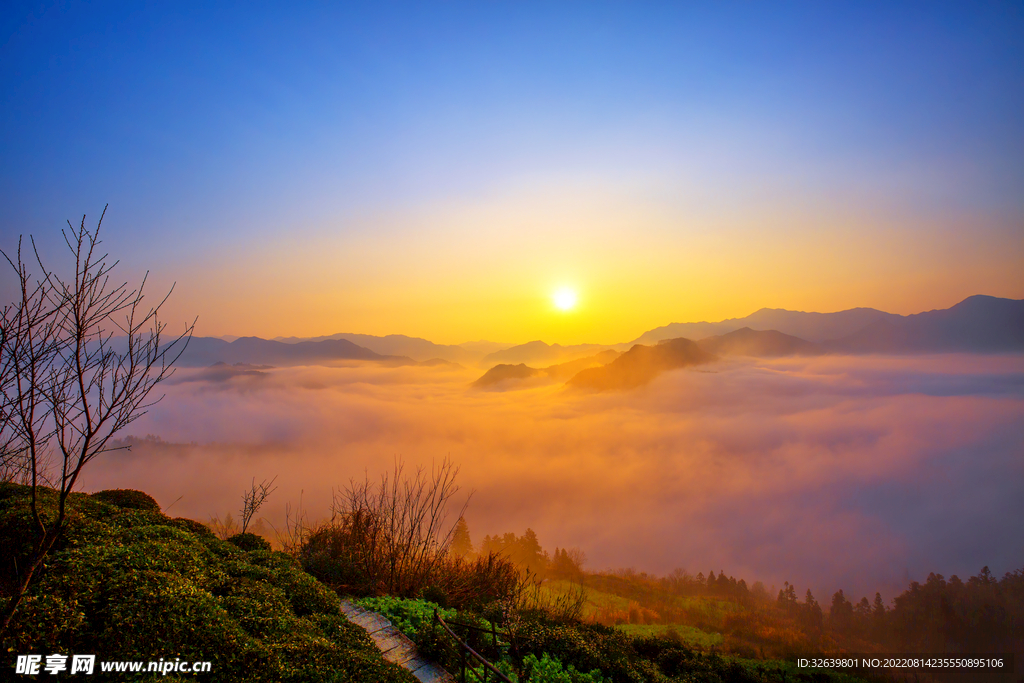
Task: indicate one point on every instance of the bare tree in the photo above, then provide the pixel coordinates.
(79, 358)
(28, 343)
(253, 499)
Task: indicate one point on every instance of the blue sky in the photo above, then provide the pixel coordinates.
(209, 126)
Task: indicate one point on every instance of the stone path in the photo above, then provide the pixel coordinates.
(394, 644)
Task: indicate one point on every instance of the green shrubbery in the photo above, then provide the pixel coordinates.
(407, 615)
(126, 582)
(249, 541)
(127, 498)
(535, 647)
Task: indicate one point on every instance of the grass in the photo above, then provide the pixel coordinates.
(690, 636)
(596, 600)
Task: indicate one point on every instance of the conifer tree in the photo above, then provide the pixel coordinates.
(462, 544)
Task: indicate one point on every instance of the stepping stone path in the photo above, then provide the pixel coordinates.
(394, 644)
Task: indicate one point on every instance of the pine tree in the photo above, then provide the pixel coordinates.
(462, 545)
(840, 615)
(878, 612)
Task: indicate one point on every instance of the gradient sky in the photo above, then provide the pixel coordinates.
(440, 169)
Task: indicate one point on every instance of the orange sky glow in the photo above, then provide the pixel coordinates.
(489, 269)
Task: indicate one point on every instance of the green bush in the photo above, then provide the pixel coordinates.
(550, 670)
(585, 647)
(249, 541)
(127, 498)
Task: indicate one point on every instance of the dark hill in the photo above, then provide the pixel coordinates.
(814, 327)
(759, 343)
(640, 365)
(503, 372)
(980, 324)
(500, 373)
(541, 352)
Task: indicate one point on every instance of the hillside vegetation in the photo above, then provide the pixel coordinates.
(127, 582)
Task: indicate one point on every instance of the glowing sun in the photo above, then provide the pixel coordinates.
(565, 299)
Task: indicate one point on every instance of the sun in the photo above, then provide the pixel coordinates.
(565, 299)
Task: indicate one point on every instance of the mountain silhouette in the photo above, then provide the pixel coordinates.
(206, 351)
(976, 324)
(640, 365)
(396, 345)
(759, 343)
(482, 347)
(979, 324)
(512, 374)
(540, 352)
(505, 371)
(815, 327)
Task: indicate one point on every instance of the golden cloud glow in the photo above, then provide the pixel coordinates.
(826, 471)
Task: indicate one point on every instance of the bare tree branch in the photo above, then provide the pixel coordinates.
(253, 499)
(68, 384)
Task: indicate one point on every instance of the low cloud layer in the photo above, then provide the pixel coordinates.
(829, 472)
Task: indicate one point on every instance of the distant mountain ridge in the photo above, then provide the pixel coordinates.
(758, 343)
(206, 351)
(815, 327)
(395, 345)
(978, 324)
(541, 352)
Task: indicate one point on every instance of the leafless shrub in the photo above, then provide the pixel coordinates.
(388, 537)
(253, 499)
(401, 523)
(223, 528)
(473, 584)
(296, 531)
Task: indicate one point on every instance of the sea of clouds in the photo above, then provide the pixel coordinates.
(859, 473)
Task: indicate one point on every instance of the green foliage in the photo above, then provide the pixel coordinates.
(536, 648)
(127, 498)
(129, 583)
(407, 615)
(249, 541)
(689, 636)
(981, 614)
(544, 670)
(550, 670)
(191, 525)
(584, 646)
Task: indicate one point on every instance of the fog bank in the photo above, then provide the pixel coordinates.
(828, 472)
